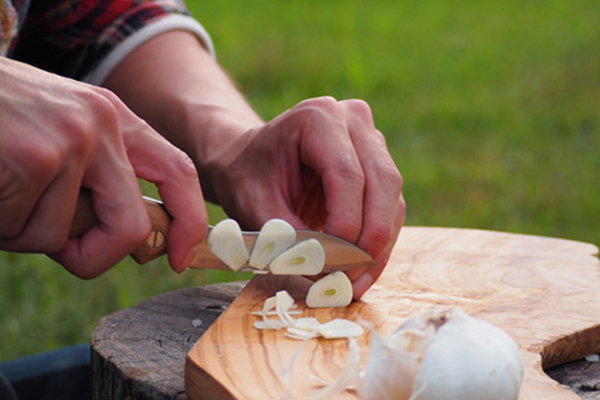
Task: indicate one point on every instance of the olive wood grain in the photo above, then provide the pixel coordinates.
(542, 291)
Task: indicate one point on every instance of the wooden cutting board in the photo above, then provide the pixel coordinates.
(544, 292)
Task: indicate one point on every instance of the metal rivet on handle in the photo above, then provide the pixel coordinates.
(156, 239)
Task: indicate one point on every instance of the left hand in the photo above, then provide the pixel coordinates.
(320, 165)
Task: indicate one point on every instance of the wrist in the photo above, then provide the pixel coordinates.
(213, 136)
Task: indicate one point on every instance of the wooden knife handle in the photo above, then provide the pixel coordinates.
(153, 247)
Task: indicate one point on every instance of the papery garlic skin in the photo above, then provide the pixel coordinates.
(390, 371)
(470, 359)
(443, 355)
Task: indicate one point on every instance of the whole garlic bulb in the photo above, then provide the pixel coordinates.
(443, 355)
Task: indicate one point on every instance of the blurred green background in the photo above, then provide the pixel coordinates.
(491, 110)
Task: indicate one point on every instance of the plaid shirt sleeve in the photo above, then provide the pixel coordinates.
(85, 39)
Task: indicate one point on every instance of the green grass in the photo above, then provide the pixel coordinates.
(491, 111)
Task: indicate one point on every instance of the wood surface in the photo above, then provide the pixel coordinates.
(544, 292)
(139, 352)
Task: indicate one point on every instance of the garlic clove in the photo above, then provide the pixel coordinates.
(442, 355)
(333, 290)
(469, 359)
(227, 243)
(305, 258)
(340, 329)
(275, 237)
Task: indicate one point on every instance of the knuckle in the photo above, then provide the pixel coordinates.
(101, 105)
(78, 137)
(43, 160)
(351, 172)
(381, 233)
(390, 174)
(317, 108)
(360, 108)
(324, 102)
(182, 165)
(380, 137)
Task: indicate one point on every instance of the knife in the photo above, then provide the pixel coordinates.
(340, 255)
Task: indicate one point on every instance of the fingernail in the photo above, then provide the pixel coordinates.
(361, 285)
(186, 262)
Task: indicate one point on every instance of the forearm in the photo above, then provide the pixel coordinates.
(174, 84)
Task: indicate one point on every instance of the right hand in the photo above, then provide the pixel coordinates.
(59, 136)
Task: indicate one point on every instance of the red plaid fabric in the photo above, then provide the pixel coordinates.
(71, 37)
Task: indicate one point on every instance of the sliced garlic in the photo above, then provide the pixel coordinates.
(340, 328)
(305, 258)
(283, 302)
(302, 328)
(333, 290)
(307, 324)
(442, 355)
(345, 380)
(227, 243)
(274, 238)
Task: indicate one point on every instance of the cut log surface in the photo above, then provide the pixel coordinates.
(139, 352)
(544, 292)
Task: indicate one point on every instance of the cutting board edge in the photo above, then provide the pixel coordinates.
(594, 249)
(195, 379)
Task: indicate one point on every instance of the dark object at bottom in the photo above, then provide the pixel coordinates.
(63, 374)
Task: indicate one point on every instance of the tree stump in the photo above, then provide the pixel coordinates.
(139, 353)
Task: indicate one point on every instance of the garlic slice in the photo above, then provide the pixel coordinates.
(305, 258)
(344, 381)
(275, 236)
(307, 324)
(333, 290)
(302, 328)
(283, 302)
(227, 243)
(340, 328)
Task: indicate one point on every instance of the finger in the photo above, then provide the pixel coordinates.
(328, 150)
(21, 190)
(383, 182)
(369, 276)
(123, 223)
(154, 159)
(41, 207)
(312, 207)
(49, 222)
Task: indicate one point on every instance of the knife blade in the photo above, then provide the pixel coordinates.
(340, 255)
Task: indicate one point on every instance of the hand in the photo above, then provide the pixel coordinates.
(321, 165)
(59, 136)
